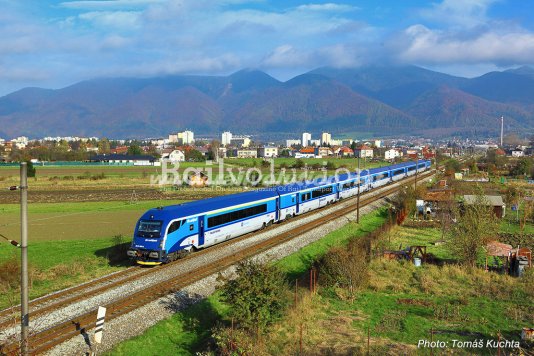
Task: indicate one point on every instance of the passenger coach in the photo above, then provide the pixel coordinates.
(163, 234)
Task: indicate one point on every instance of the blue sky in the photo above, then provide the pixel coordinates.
(52, 44)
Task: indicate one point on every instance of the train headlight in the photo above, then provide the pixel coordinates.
(154, 254)
(131, 253)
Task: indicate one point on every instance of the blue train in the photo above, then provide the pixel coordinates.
(163, 234)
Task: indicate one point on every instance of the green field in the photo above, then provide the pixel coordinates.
(76, 221)
(68, 243)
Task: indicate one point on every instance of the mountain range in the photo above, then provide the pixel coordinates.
(379, 100)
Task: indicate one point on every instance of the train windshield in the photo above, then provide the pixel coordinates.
(149, 228)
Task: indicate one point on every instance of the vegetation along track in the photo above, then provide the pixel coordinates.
(55, 335)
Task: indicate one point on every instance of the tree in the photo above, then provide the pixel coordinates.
(475, 226)
(31, 169)
(193, 155)
(134, 150)
(214, 150)
(522, 167)
(257, 296)
(104, 146)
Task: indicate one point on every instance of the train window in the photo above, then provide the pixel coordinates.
(149, 228)
(322, 191)
(305, 196)
(293, 199)
(174, 226)
(379, 177)
(236, 215)
(191, 227)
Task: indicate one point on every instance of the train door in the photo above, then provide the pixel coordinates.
(277, 212)
(200, 231)
(298, 202)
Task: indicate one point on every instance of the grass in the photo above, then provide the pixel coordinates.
(72, 207)
(300, 261)
(184, 333)
(178, 337)
(55, 265)
(76, 221)
(401, 237)
(510, 223)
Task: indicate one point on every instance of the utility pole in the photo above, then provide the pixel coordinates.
(24, 317)
(358, 196)
(416, 169)
(502, 129)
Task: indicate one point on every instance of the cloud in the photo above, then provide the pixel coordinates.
(327, 7)
(425, 45)
(113, 19)
(466, 13)
(286, 56)
(107, 4)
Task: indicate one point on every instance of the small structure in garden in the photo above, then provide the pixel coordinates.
(495, 201)
(513, 261)
(409, 253)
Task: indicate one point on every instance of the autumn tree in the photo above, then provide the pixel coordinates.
(104, 146)
(475, 225)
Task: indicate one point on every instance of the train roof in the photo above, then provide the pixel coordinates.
(209, 204)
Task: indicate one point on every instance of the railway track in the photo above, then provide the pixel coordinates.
(57, 334)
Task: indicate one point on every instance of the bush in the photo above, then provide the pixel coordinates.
(346, 267)
(10, 273)
(258, 296)
(98, 176)
(117, 253)
(331, 166)
(232, 341)
(299, 163)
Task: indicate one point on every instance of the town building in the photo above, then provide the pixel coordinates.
(323, 151)
(363, 151)
(391, 154)
(326, 138)
(518, 153)
(124, 160)
(246, 153)
(182, 138)
(20, 142)
(188, 137)
(292, 143)
(226, 138)
(344, 152)
(173, 155)
(268, 152)
(240, 141)
(306, 138)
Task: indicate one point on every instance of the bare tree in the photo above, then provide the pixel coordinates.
(215, 145)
